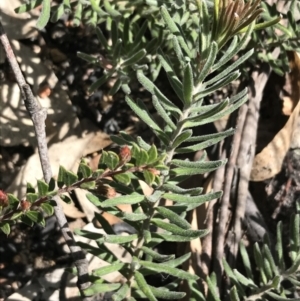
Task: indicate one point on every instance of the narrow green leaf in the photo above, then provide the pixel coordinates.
(166, 294)
(108, 7)
(223, 113)
(89, 58)
(161, 111)
(173, 218)
(96, 200)
(144, 287)
(182, 137)
(175, 229)
(126, 199)
(233, 49)
(212, 112)
(99, 82)
(279, 246)
(104, 223)
(188, 84)
(206, 69)
(109, 269)
(155, 197)
(5, 228)
(100, 251)
(126, 89)
(156, 256)
(118, 140)
(244, 280)
(133, 217)
(176, 189)
(45, 15)
(177, 48)
(269, 257)
(78, 14)
(96, 7)
(121, 294)
(176, 238)
(116, 87)
(98, 288)
(175, 30)
(47, 208)
(144, 145)
(294, 267)
(134, 58)
(165, 268)
(202, 167)
(212, 289)
(215, 138)
(141, 110)
(173, 79)
(233, 278)
(147, 236)
(149, 86)
(230, 68)
(28, 6)
(259, 262)
(234, 294)
(193, 199)
(279, 298)
(246, 260)
(102, 38)
(196, 164)
(217, 85)
(57, 14)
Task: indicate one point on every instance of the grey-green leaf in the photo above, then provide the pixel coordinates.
(125, 199)
(173, 218)
(109, 269)
(165, 268)
(193, 199)
(98, 288)
(45, 14)
(188, 84)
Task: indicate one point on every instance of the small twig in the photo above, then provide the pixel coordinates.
(224, 209)
(38, 116)
(246, 156)
(207, 241)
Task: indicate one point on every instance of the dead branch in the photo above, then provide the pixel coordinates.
(38, 116)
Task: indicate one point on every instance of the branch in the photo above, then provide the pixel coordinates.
(38, 116)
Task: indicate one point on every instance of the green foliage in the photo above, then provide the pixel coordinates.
(188, 40)
(276, 282)
(284, 35)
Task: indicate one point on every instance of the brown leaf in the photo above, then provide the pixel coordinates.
(268, 162)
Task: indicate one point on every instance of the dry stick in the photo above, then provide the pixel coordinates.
(224, 209)
(246, 156)
(38, 116)
(206, 241)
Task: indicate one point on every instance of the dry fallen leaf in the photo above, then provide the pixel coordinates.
(268, 162)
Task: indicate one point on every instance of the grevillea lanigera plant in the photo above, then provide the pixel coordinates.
(191, 41)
